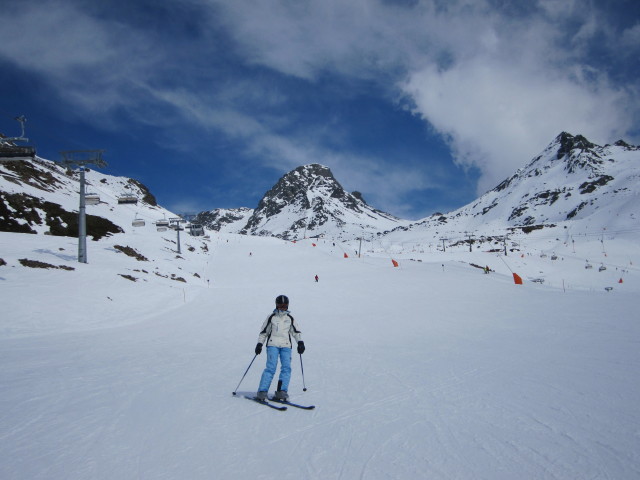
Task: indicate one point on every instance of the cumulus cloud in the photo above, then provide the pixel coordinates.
(497, 84)
(496, 115)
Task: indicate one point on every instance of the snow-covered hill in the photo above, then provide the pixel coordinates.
(429, 370)
(123, 367)
(573, 184)
(40, 198)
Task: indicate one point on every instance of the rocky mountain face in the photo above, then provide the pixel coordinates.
(224, 220)
(573, 179)
(308, 201)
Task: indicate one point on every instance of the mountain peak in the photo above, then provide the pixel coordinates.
(309, 199)
(569, 142)
(572, 178)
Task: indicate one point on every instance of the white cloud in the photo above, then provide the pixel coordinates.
(497, 87)
(497, 116)
(631, 38)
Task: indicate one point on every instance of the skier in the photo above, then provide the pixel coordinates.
(317, 278)
(276, 333)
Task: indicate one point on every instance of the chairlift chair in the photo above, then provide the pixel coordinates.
(128, 199)
(92, 198)
(138, 222)
(162, 225)
(10, 151)
(602, 268)
(196, 229)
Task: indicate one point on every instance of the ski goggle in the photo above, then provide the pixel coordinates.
(282, 306)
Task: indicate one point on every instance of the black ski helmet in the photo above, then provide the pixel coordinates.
(282, 300)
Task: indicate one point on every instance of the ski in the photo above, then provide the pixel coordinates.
(297, 405)
(264, 402)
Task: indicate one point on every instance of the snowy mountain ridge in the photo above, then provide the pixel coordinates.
(573, 184)
(307, 201)
(573, 179)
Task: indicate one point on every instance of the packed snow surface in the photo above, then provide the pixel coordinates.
(430, 370)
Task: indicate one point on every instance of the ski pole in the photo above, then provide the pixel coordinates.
(304, 389)
(245, 374)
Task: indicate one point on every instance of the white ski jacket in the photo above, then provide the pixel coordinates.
(278, 329)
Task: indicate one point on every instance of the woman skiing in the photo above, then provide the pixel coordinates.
(276, 333)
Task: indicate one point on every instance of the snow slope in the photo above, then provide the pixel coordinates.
(431, 370)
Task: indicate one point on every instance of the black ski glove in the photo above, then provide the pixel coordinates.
(300, 347)
(258, 348)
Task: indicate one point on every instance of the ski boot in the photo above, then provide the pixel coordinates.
(281, 396)
(262, 396)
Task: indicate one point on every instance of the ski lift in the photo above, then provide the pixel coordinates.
(162, 225)
(128, 199)
(196, 229)
(588, 265)
(10, 151)
(554, 257)
(92, 198)
(543, 255)
(138, 222)
(602, 268)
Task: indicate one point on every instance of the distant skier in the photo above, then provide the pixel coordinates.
(276, 333)
(317, 278)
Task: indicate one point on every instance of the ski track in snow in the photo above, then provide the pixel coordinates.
(419, 372)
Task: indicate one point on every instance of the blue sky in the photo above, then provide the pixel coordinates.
(420, 105)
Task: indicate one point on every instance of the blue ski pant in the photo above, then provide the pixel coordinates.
(270, 370)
